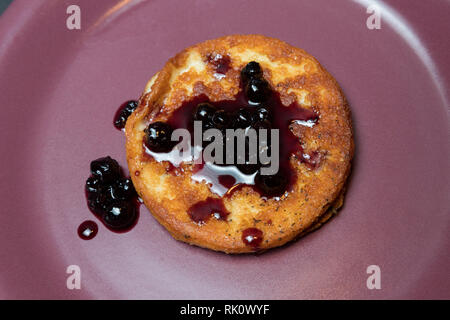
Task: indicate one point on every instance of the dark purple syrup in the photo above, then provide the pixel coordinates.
(252, 237)
(281, 118)
(87, 230)
(220, 63)
(227, 181)
(211, 207)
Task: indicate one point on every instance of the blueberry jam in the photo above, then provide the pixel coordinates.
(220, 63)
(251, 71)
(87, 230)
(110, 196)
(158, 137)
(125, 110)
(252, 237)
(211, 207)
(264, 110)
(256, 106)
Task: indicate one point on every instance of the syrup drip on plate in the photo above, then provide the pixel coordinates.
(87, 230)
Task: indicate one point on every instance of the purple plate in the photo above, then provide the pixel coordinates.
(60, 89)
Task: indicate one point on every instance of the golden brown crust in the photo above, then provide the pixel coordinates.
(295, 75)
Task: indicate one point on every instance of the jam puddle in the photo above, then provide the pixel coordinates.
(281, 118)
(256, 106)
(202, 211)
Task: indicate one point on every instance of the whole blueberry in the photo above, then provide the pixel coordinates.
(221, 119)
(106, 169)
(120, 215)
(93, 184)
(242, 119)
(204, 112)
(123, 190)
(158, 137)
(251, 70)
(257, 90)
(262, 113)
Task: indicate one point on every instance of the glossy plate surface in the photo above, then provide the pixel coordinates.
(60, 88)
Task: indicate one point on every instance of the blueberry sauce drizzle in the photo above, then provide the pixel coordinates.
(252, 237)
(255, 106)
(202, 211)
(122, 114)
(221, 64)
(111, 196)
(244, 114)
(184, 116)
